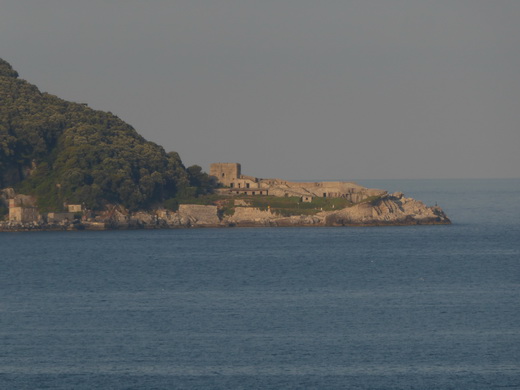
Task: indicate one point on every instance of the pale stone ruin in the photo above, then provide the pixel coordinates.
(230, 176)
(22, 209)
(74, 208)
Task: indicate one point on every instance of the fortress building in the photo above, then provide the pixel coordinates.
(230, 176)
(226, 173)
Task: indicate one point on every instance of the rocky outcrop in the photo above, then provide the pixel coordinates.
(392, 209)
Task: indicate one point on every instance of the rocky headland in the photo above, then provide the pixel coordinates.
(65, 166)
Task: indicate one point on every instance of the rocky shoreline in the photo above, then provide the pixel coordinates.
(388, 210)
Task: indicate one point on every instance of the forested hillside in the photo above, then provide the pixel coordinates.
(67, 152)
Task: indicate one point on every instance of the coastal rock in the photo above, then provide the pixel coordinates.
(142, 219)
(388, 210)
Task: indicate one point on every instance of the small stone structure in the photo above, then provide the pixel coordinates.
(74, 208)
(230, 175)
(23, 209)
(226, 173)
(59, 217)
(250, 215)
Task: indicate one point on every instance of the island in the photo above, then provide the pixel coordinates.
(65, 166)
(238, 201)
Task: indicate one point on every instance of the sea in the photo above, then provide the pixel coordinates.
(408, 307)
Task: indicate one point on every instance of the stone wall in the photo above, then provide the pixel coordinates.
(23, 214)
(244, 183)
(199, 215)
(59, 217)
(252, 214)
(22, 208)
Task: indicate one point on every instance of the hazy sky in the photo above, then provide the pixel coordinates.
(299, 89)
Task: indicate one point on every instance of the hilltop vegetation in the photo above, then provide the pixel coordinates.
(67, 152)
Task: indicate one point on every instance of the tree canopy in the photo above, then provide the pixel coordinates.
(65, 152)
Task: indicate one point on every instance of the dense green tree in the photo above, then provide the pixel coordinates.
(200, 180)
(66, 152)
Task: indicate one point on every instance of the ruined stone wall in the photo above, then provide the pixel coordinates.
(23, 214)
(199, 214)
(252, 214)
(244, 183)
(59, 217)
(22, 208)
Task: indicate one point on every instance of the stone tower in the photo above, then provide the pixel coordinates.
(225, 173)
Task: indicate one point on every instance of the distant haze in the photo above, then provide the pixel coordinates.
(296, 89)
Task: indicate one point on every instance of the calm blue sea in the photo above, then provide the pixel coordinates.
(421, 307)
